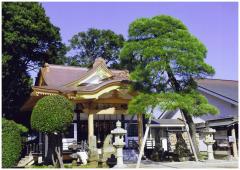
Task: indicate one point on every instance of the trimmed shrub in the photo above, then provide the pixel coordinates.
(11, 142)
(52, 114)
(181, 147)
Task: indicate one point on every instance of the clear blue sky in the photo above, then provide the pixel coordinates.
(214, 23)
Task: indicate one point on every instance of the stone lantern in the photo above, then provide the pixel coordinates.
(119, 144)
(209, 141)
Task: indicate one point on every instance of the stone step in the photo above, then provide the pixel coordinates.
(29, 164)
(26, 161)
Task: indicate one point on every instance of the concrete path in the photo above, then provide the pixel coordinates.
(188, 164)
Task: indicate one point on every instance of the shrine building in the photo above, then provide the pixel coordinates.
(101, 98)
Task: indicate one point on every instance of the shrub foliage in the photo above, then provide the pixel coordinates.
(181, 147)
(11, 142)
(52, 114)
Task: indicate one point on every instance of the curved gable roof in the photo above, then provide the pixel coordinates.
(59, 77)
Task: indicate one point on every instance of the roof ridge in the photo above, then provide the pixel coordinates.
(66, 66)
(217, 79)
(217, 93)
(78, 67)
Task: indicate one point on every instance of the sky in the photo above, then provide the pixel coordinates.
(213, 23)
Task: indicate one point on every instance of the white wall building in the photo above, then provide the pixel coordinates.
(224, 95)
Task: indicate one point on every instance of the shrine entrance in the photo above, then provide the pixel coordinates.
(103, 124)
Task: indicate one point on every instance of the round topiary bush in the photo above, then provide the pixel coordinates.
(11, 142)
(52, 114)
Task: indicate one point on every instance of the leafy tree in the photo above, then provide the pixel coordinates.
(94, 43)
(11, 142)
(29, 40)
(164, 59)
(52, 115)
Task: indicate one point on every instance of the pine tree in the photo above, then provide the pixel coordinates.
(164, 60)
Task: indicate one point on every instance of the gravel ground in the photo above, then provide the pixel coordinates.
(188, 164)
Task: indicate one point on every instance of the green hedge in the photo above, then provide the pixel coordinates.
(52, 114)
(11, 142)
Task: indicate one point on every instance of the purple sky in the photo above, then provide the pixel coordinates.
(214, 23)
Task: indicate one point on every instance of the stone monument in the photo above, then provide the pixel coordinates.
(209, 141)
(119, 144)
(108, 148)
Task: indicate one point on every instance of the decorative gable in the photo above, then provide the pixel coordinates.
(95, 75)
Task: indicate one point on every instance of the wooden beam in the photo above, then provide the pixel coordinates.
(81, 101)
(110, 111)
(112, 100)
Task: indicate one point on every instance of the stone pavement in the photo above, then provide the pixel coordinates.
(188, 164)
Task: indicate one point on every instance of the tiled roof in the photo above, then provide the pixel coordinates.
(56, 77)
(223, 88)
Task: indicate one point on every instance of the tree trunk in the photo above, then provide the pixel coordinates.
(192, 130)
(59, 156)
(189, 120)
(54, 150)
(49, 149)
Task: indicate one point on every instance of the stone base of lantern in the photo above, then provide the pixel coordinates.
(120, 166)
(210, 150)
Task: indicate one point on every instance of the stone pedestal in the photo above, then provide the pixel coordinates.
(120, 158)
(209, 141)
(93, 151)
(119, 144)
(210, 150)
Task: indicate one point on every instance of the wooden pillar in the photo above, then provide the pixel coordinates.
(90, 125)
(140, 128)
(40, 142)
(123, 121)
(78, 126)
(234, 144)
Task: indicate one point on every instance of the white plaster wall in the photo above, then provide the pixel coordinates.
(226, 109)
(202, 145)
(96, 79)
(177, 115)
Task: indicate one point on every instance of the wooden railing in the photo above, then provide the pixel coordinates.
(33, 147)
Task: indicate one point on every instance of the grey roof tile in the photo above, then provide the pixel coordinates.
(225, 88)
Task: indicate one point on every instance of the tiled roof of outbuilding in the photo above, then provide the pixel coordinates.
(224, 88)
